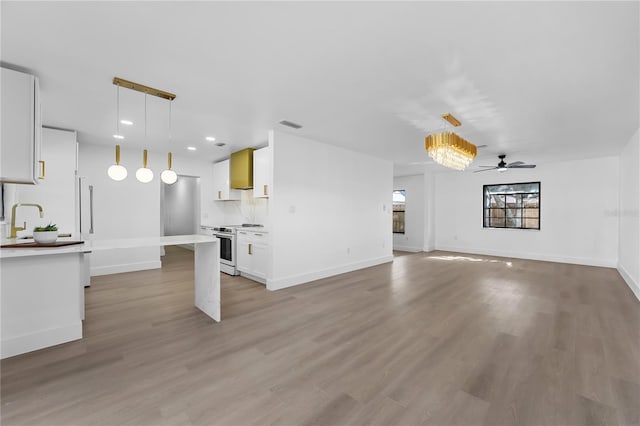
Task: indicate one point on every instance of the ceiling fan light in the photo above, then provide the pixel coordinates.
(450, 150)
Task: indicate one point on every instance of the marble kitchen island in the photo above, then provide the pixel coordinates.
(42, 292)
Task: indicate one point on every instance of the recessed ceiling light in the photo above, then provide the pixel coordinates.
(118, 136)
(126, 122)
(210, 138)
(191, 148)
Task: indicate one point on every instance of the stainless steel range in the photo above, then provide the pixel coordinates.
(227, 239)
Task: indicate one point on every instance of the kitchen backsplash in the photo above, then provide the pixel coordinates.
(247, 210)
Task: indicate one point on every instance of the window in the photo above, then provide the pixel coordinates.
(399, 199)
(512, 205)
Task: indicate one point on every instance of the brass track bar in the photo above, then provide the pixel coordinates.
(451, 119)
(142, 88)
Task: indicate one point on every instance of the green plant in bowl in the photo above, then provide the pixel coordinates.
(47, 228)
(45, 234)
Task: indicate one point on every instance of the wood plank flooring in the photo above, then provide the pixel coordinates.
(431, 339)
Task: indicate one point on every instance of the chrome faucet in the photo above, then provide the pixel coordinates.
(14, 228)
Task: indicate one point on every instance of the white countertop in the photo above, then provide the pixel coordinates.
(96, 245)
(254, 229)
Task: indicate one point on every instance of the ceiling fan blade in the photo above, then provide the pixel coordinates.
(515, 163)
(522, 166)
(485, 170)
(488, 166)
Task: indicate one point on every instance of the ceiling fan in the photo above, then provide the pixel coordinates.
(502, 166)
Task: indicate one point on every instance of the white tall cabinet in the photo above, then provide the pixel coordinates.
(21, 120)
(221, 182)
(262, 172)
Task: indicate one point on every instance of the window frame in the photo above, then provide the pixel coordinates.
(404, 212)
(486, 225)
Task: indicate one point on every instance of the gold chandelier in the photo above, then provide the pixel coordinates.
(449, 149)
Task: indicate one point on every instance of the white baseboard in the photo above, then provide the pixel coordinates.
(42, 339)
(633, 285)
(607, 263)
(407, 248)
(125, 267)
(253, 277)
(280, 283)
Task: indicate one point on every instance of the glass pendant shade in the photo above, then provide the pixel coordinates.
(116, 171)
(144, 174)
(169, 176)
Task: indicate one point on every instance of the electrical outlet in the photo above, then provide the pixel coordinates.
(348, 250)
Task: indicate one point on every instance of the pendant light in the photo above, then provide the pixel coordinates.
(116, 171)
(144, 174)
(169, 176)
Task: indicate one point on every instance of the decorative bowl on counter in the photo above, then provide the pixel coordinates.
(45, 237)
(45, 234)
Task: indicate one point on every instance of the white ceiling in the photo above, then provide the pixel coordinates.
(539, 81)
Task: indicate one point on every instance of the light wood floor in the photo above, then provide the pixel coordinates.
(432, 339)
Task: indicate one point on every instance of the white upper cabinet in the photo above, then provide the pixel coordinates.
(262, 172)
(221, 182)
(20, 160)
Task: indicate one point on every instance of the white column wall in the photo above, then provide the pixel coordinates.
(330, 211)
(629, 232)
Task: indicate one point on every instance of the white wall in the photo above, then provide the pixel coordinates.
(330, 211)
(132, 209)
(629, 236)
(414, 217)
(579, 220)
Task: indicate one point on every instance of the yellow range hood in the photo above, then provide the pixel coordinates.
(241, 166)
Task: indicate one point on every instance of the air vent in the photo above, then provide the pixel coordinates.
(290, 124)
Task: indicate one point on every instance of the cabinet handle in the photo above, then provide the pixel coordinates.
(219, 194)
(42, 174)
(250, 248)
(264, 190)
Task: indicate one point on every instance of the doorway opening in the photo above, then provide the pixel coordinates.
(180, 207)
